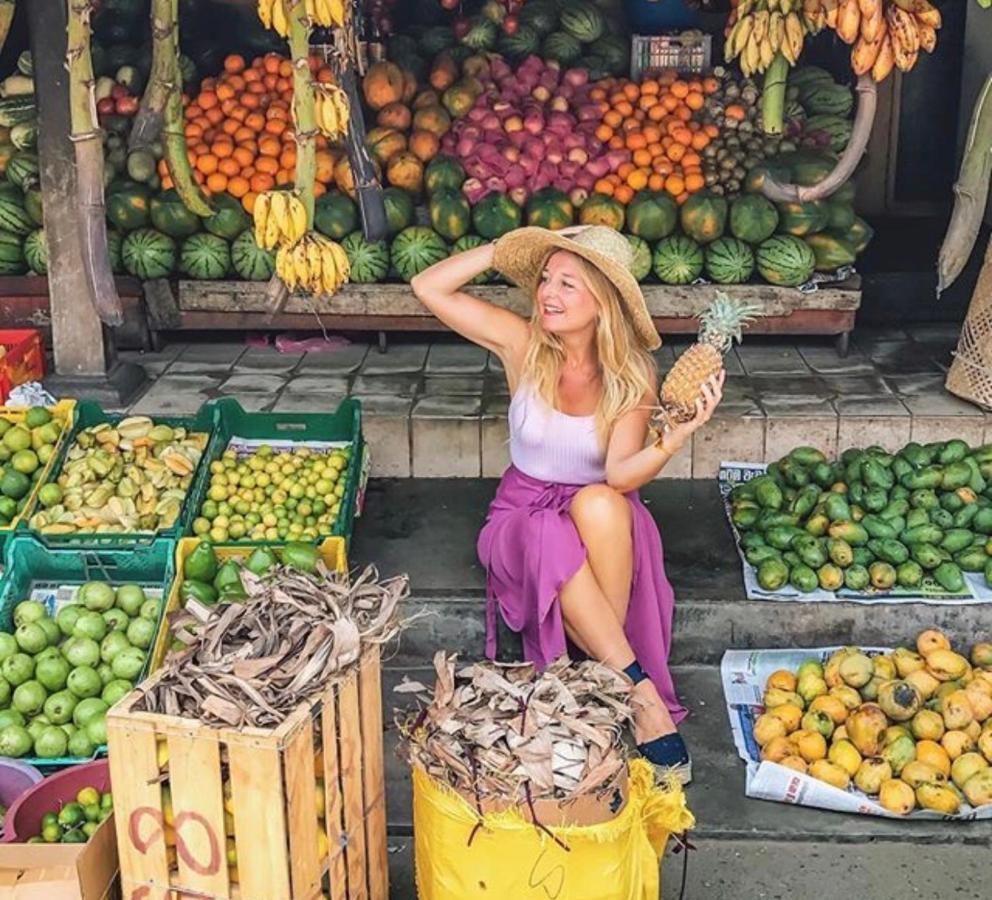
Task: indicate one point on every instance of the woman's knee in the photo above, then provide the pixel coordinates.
(599, 504)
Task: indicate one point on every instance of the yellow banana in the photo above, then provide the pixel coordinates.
(863, 55)
(767, 52)
(338, 12)
(273, 226)
(261, 215)
(301, 263)
(848, 21)
(928, 37)
(831, 14)
(925, 11)
(279, 21)
(868, 7)
(341, 262)
(744, 28)
(265, 12)
(776, 30)
(795, 35)
(884, 61)
(340, 100)
(760, 29)
(297, 217)
(903, 27)
(873, 24)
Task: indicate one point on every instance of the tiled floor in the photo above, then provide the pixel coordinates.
(438, 408)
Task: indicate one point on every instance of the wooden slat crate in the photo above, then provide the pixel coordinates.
(180, 852)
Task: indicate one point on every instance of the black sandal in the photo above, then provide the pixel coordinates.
(668, 754)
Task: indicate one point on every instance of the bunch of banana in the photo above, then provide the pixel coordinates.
(887, 34)
(314, 264)
(326, 13)
(819, 14)
(332, 110)
(280, 218)
(274, 15)
(765, 28)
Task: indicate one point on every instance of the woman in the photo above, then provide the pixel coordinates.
(570, 551)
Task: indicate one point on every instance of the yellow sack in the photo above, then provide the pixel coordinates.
(510, 858)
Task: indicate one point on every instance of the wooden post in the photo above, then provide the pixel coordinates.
(84, 355)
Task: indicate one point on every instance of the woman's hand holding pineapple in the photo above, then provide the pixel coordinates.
(673, 439)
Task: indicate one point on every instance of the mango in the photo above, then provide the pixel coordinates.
(790, 714)
(870, 691)
(845, 755)
(847, 695)
(956, 743)
(907, 661)
(957, 711)
(985, 744)
(916, 773)
(924, 682)
(894, 732)
(884, 667)
(866, 727)
(944, 691)
(981, 655)
(796, 763)
(897, 797)
(978, 788)
(939, 798)
(831, 671)
(933, 754)
(832, 706)
(973, 730)
(767, 727)
(783, 679)
(899, 753)
(775, 697)
(818, 721)
(871, 774)
(856, 670)
(824, 770)
(946, 665)
(840, 734)
(981, 702)
(899, 700)
(809, 667)
(927, 725)
(811, 745)
(930, 640)
(776, 749)
(966, 765)
(810, 687)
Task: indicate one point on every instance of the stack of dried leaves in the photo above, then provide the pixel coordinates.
(505, 731)
(252, 663)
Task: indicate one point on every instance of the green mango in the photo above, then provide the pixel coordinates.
(200, 591)
(767, 493)
(890, 551)
(877, 527)
(988, 573)
(915, 455)
(856, 578)
(841, 553)
(966, 515)
(955, 475)
(971, 560)
(823, 474)
(851, 532)
(752, 539)
(201, 564)
(261, 561)
(956, 539)
(909, 574)
(757, 555)
(883, 575)
(899, 492)
(831, 577)
(941, 518)
(837, 508)
(951, 502)
(745, 516)
(228, 575)
(922, 534)
(949, 577)
(927, 555)
(805, 501)
(300, 556)
(982, 523)
(895, 507)
(795, 474)
(803, 579)
(813, 555)
(876, 475)
(807, 456)
(817, 525)
(953, 451)
(924, 498)
(856, 491)
(901, 467)
(863, 557)
(772, 574)
(875, 500)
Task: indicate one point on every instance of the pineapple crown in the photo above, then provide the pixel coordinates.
(724, 320)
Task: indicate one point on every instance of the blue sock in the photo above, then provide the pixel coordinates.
(635, 673)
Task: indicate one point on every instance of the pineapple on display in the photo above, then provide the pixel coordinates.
(719, 326)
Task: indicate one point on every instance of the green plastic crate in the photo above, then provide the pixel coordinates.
(90, 413)
(29, 563)
(344, 424)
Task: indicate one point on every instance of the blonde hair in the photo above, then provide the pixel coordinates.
(627, 369)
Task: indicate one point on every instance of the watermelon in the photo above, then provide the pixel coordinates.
(753, 218)
(521, 43)
(844, 194)
(335, 215)
(840, 215)
(443, 173)
(830, 252)
(801, 219)
(494, 215)
(205, 257)
(13, 215)
(249, 261)
(23, 168)
(33, 205)
(729, 261)
(755, 179)
(114, 243)
(369, 260)
(704, 216)
(820, 98)
(602, 210)
(614, 52)
(399, 209)
(481, 35)
(859, 234)
(837, 130)
(450, 214)
(11, 254)
(229, 218)
(127, 204)
(433, 40)
(541, 16)
(36, 252)
(170, 215)
(807, 170)
(678, 260)
(652, 215)
(805, 76)
(562, 48)
(415, 249)
(550, 208)
(147, 253)
(640, 268)
(785, 260)
(470, 242)
(582, 20)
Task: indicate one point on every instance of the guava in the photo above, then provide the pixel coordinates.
(96, 595)
(84, 682)
(29, 611)
(112, 645)
(59, 707)
(36, 726)
(31, 638)
(116, 619)
(130, 598)
(29, 698)
(105, 672)
(115, 690)
(51, 630)
(80, 744)
(90, 625)
(17, 668)
(96, 728)
(10, 717)
(149, 610)
(47, 653)
(67, 616)
(5, 692)
(8, 646)
(15, 741)
(81, 651)
(128, 663)
(68, 728)
(87, 709)
(141, 633)
(52, 672)
(51, 743)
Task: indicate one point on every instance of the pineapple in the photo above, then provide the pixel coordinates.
(719, 325)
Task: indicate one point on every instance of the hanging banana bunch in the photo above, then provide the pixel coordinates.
(274, 15)
(764, 29)
(326, 13)
(314, 263)
(886, 34)
(280, 219)
(332, 111)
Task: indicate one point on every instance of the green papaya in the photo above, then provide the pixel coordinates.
(953, 451)
(927, 555)
(261, 561)
(856, 578)
(803, 579)
(909, 574)
(851, 532)
(228, 575)
(971, 560)
(300, 556)
(949, 577)
(955, 475)
(772, 574)
(956, 539)
(882, 575)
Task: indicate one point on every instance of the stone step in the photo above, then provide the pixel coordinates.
(427, 528)
(750, 848)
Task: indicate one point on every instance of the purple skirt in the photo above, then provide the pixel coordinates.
(530, 547)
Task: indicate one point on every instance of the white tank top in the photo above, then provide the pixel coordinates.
(550, 445)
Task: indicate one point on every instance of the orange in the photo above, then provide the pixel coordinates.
(216, 183)
(225, 92)
(255, 121)
(215, 115)
(286, 68)
(679, 89)
(683, 113)
(650, 86)
(236, 82)
(207, 100)
(228, 167)
(694, 182)
(275, 126)
(699, 140)
(711, 131)
(655, 149)
(268, 165)
(325, 166)
(603, 187)
(222, 149)
(691, 158)
(694, 101)
(283, 177)
(234, 63)
(657, 112)
(604, 133)
(624, 193)
(277, 110)
(675, 152)
(674, 185)
(598, 93)
(271, 62)
(192, 131)
(683, 136)
(710, 85)
(230, 126)
(193, 111)
(207, 164)
(647, 101)
(656, 181)
(248, 202)
(631, 91)
(642, 158)
(261, 182)
(636, 141)
(663, 166)
(319, 190)
(625, 169)
(239, 113)
(638, 179)
(167, 183)
(237, 186)
(624, 108)
(269, 146)
(243, 134)
(287, 159)
(612, 118)
(251, 75)
(616, 142)
(249, 100)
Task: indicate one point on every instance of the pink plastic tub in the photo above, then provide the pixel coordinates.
(23, 819)
(15, 778)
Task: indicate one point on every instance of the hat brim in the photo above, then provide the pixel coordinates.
(522, 254)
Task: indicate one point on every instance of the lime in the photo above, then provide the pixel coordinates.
(50, 495)
(71, 815)
(49, 818)
(51, 833)
(89, 796)
(81, 651)
(84, 682)
(74, 836)
(25, 461)
(37, 415)
(107, 801)
(17, 669)
(69, 729)
(116, 619)
(97, 595)
(59, 707)
(90, 827)
(45, 452)
(51, 629)
(36, 726)
(88, 709)
(5, 426)
(51, 743)
(31, 638)
(105, 672)
(8, 507)
(90, 625)
(52, 672)
(66, 618)
(201, 526)
(17, 438)
(14, 484)
(15, 741)
(29, 698)
(29, 611)
(130, 597)
(80, 746)
(8, 646)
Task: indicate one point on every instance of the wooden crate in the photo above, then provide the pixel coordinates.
(273, 773)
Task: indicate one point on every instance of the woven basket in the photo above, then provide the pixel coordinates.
(970, 376)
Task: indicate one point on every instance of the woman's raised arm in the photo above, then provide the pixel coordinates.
(439, 288)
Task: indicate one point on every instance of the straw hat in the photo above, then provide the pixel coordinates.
(521, 254)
